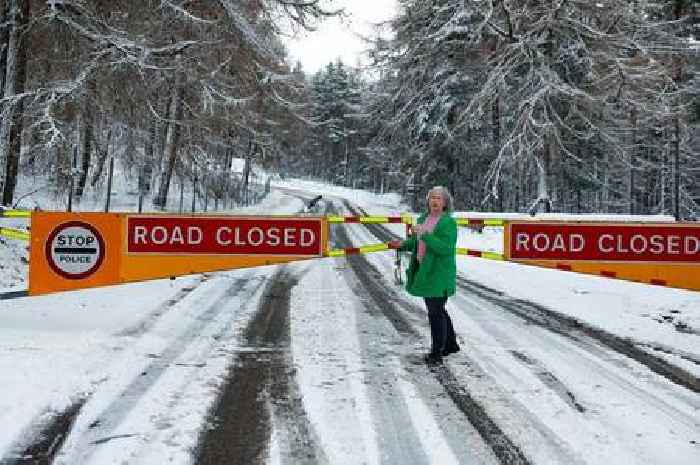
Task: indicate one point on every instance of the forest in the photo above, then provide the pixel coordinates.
(515, 105)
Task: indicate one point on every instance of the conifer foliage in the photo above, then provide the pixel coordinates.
(524, 105)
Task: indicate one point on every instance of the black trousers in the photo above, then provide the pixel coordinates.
(441, 330)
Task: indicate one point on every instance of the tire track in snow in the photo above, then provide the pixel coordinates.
(150, 320)
(52, 435)
(261, 385)
(549, 380)
(379, 231)
(577, 330)
(101, 429)
(49, 440)
(473, 406)
(387, 303)
(397, 439)
(599, 377)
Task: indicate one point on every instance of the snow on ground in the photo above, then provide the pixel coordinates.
(632, 310)
(331, 370)
(14, 259)
(182, 360)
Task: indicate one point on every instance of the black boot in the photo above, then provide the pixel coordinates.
(452, 348)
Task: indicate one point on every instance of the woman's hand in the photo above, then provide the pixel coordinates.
(419, 229)
(395, 244)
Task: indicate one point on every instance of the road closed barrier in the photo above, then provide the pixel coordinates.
(81, 250)
(656, 253)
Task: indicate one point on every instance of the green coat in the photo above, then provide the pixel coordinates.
(436, 275)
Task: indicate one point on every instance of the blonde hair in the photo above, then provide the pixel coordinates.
(446, 196)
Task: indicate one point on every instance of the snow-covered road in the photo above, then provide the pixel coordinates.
(319, 362)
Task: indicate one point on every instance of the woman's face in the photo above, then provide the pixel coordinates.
(436, 203)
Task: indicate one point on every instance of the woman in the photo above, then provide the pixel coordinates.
(433, 269)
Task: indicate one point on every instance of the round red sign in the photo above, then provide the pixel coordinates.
(75, 250)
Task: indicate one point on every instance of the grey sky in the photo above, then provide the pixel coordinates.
(338, 38)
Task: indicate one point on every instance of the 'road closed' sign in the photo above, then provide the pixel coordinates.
(605, 242)
(224, 236)
(75, 250)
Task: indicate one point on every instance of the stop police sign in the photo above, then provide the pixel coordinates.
(75, 250)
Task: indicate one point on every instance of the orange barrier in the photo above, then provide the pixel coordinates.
(81, 250)
(666, 254)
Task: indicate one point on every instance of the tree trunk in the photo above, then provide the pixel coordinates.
(578, 200)
(246, 174)
(632, 161)
(631, 184)
(346, 178)
(4, 41)
(149, 155)
(517, 182)
(496, 117)
(163, 108)
(664, 167)
(33, 144)
(677, 13)
(225, 175)
(605, 197)
(543, 203)
(103, 154)
(86, 132)
(11, 126)
(171, 142)
(677, 169)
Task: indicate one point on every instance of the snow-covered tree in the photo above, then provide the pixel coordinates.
(107, 74)
(335, 104)
(548, 89)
